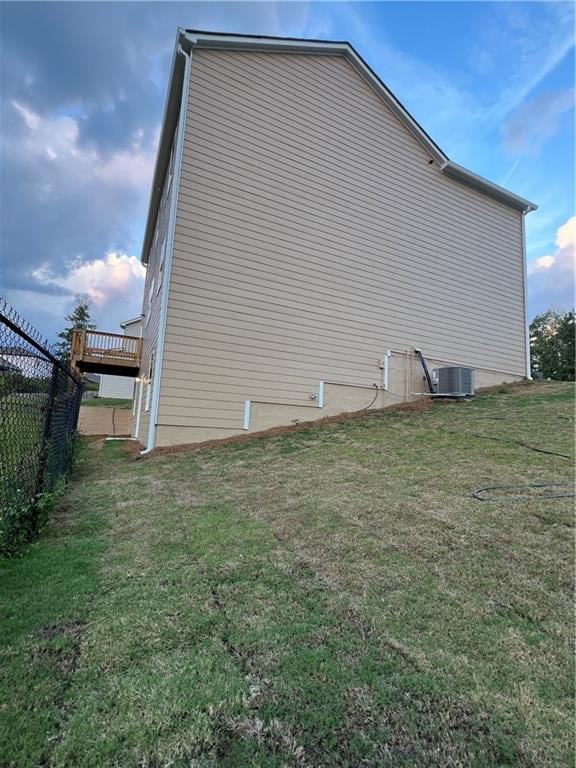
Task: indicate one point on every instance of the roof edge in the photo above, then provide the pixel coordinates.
(188, 39)
(124, 323)
(489, 188)
(167, 127)
(216, 41)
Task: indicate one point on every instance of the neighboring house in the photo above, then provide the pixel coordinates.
(23, 360)
(121, 387)
(92, 378)
(305, 235)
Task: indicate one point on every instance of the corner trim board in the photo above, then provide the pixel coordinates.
(525, 297)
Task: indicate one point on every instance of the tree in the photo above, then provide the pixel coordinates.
(552, 344)
(78, 318)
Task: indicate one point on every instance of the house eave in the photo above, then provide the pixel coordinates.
(480, 184)
(322, 48)
(168, 127)
(190, 39)
(124, 323)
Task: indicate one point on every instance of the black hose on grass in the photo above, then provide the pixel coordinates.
(477, 494)
(509, 440)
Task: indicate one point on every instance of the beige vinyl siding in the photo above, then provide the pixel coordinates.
(312, 234)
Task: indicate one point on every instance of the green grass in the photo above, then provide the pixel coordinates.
(331, 597)
(107, 402)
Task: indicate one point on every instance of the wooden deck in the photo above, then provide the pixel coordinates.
(99, 352)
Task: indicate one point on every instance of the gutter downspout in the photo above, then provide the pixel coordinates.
(181, 129)
(525, 297)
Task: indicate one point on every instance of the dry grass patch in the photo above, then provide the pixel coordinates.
(329, 596)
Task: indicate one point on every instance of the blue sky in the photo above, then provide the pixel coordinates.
(82, 94)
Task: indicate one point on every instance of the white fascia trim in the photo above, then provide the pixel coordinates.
(481, 184)
(247, 408)
(159, 357)
(145, 250)
(525, 297)
(248, 43)
(321, 395)
(124, 323)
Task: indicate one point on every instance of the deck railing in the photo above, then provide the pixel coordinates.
(105, 347)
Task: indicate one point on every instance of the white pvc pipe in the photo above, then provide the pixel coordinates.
(386, 371)
(247, 407)
(321, 395)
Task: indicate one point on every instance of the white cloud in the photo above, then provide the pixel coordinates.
(116, 277)
(56, 138)
(551, 277)
(566, 235)
(30, 118)
(544, 262)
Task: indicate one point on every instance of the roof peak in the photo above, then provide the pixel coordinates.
(190, 39)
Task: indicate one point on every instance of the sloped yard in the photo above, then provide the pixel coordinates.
(331, 597)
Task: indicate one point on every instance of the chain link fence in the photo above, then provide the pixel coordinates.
(39, 405)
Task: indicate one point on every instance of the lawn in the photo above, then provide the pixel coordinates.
(330, 597)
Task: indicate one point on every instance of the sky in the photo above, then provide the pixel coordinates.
(82, 92)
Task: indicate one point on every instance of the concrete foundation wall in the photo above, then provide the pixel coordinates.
(112, 422)
(405, 381)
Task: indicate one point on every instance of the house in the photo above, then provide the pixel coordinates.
(23, 360)
(305, 236)
(121, 387)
